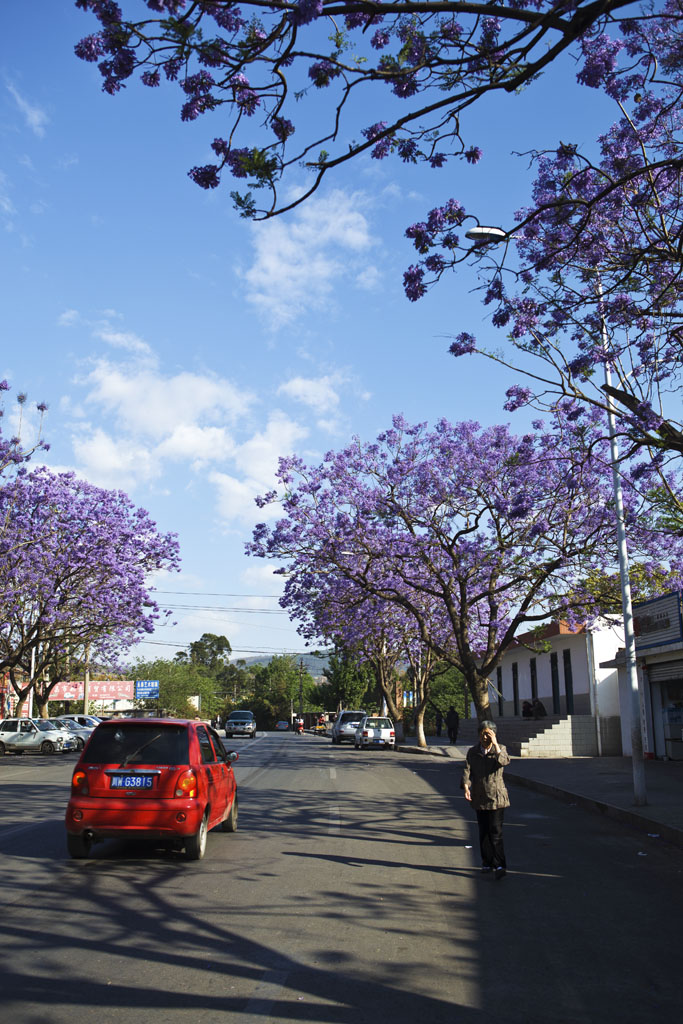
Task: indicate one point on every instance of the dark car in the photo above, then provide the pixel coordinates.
(161, 779)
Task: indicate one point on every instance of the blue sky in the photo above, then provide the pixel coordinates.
(181, 350)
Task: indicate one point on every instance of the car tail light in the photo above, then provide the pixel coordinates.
(365, 732)
(79, 782)
(392, 733)
(186, 784)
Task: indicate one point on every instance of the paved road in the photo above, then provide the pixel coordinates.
(350, 893)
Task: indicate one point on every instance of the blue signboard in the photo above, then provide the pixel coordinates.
(146, 689)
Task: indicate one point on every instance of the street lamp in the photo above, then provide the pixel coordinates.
(484, 236)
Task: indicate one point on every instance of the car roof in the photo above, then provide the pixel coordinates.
(153, 721)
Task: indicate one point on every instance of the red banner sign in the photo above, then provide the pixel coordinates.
(98, 689)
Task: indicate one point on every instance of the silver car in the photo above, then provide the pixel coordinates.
(35, 735)
(240, 723)
(80, 733)
(345, 725)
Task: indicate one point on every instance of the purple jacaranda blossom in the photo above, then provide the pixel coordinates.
(323, 72)
(517, 396)
(75, 567)
(413, 283)
(464, 344)
(206, 177)
(472, 532)
(282, 128)
(306, 11)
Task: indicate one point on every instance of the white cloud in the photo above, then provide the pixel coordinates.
(259, 455)
(123, 339)
(198, 444)
(319, 393)
(299, 262)
(69, 318)
(114, 462)
(6, 205)
(143, 401)
(257, 460)
(35, 118)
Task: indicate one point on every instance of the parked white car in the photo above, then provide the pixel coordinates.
(34, 735)
(375, 732)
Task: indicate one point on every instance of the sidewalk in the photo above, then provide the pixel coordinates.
(602, 784)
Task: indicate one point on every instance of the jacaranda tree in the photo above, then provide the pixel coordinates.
(379, 633)
(75, 562)
(422, 65)
(595, 281)
(500, 531)
(15, 450)
(401, 80)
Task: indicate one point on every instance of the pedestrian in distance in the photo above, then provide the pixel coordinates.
(538, 708)
(452, 723)
(482, 780)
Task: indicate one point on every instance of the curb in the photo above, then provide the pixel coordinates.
(636, 820)
(669, 833)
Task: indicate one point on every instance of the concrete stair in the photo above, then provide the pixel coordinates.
(554, 736)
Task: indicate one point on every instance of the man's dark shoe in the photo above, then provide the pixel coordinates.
(485, 868)
(500, 873)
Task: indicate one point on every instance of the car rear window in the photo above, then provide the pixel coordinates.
(245, 716)
(378, 723)
(351, 716)
(120, 742)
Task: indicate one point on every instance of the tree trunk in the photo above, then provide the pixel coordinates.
(479, 688)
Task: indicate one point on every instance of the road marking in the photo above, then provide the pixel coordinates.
(265, 994)
(333, 773)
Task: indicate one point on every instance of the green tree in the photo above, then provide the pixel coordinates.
(179, 684)
(447, 687)
(283, 683)
(210, 651)
(349, 683)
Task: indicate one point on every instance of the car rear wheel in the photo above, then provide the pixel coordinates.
(78, 846)
(80, 743)
(230, 823)
(195, 846)
(47, 747)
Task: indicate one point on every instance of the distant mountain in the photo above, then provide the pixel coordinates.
(314, 664)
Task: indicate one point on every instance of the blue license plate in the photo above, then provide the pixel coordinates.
(132, 781)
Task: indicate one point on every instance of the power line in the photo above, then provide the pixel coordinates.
(221, 608)
(235, 650)
(206, 593)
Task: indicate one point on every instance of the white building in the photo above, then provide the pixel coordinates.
(562, 667)
(659, 652)
(573, 673)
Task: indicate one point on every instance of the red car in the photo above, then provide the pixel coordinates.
(151, 778)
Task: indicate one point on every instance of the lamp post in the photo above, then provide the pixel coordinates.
(485, 236)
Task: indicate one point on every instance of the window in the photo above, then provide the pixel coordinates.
(499, 683)
(116, 742)
(515, 687)
(568, 680)
(205, 747)
(534, 678)
(555, 679)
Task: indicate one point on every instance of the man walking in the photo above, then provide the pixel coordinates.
(452, 723)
